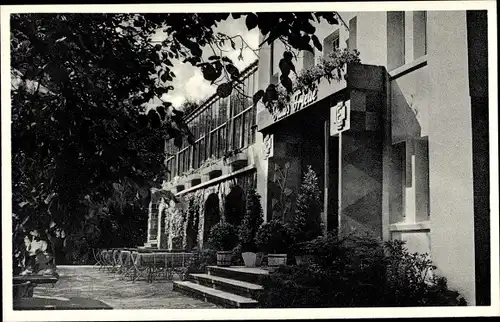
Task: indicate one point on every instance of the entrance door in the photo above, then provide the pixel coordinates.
(211, 216)
(333, 184)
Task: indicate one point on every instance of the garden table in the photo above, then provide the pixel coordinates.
(151, 264)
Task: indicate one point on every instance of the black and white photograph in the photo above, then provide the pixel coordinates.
(198, 161)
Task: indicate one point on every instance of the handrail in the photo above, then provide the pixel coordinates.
(252, 68)
(242, 112)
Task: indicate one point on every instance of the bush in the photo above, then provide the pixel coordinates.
(223, 237)
(306, 222)
(273, 237)
(200, 260)
(358, 271)
(251, 222)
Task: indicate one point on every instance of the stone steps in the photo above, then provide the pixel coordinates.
(241, 273)
(241, 288)
(213, 295)
(234, 286)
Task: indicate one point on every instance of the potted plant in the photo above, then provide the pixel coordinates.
(273, 239)
(223, 238)
(210, 169)
(236, 158)
(179, 183)
(306, 222)
(248, 229)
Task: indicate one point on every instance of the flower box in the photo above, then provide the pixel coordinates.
(211, 172)
(237, 161)
(193, 180)
(179, 183)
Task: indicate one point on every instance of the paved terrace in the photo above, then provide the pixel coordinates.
(89, 282)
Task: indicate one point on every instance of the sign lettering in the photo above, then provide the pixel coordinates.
(298, 101)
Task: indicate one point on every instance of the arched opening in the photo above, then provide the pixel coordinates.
(235, 206)
(211, 217)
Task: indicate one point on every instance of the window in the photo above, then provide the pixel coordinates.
(308, 59)
(153, 228)
(271, 62)
(353, 31)
(395, 39)
(331, 43)
(336, 43)
(409, 194)
(419, 34)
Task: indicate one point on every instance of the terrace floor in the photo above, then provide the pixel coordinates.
(88, 282)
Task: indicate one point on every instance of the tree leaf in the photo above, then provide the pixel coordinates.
(210, 73)
(251, 21)
(284, 67)
(224, 90)
(317, 43)
(287, 83)
(271, 94)
(257, 96)
(118, 187)
(233, 71)
(227, 60)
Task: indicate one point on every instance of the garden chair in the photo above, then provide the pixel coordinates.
(97, 257)
(138, 268)
(115, 256)
(102, 257)
(108, 256)
(176, 264)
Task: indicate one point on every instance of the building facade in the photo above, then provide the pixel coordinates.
(400, 145)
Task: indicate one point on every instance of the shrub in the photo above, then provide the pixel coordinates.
(223, 237)
(199, 261)
(251, 222)
(358, 271)
(306, 222)
(273, 237)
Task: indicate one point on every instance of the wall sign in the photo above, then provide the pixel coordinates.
(340, 116)
(298, 102)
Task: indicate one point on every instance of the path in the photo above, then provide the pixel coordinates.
(89, 282)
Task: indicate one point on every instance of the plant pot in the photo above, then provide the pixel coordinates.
(275, 260)
(224, 258)
(249, 258)
(193, 180)
(211, 172)
(304, 259)
(258, 259)
(237, 161)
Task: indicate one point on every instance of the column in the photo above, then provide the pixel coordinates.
(450, 152)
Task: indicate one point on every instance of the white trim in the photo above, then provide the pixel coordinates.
(397, 227)
(408, 67)
(218, 179)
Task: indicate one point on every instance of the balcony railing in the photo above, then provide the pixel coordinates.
(219, 125)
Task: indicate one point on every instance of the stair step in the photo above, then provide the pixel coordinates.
(213, 295)
(240, 273)
(227, 284)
